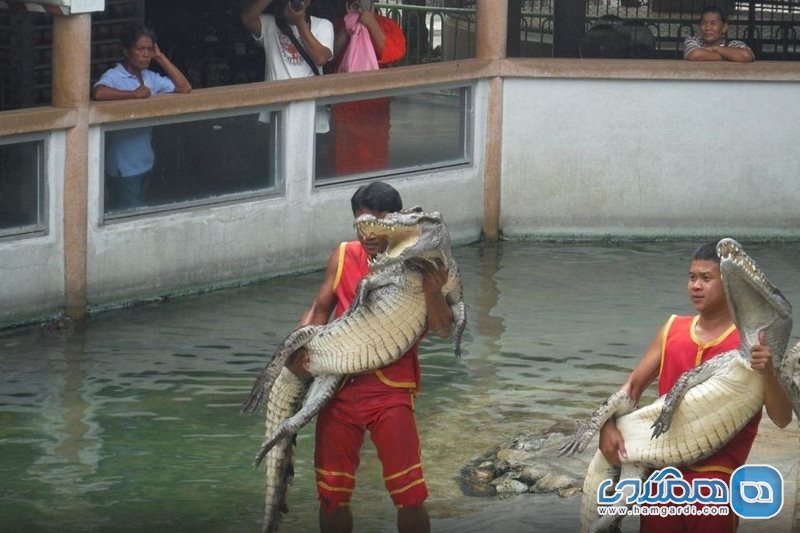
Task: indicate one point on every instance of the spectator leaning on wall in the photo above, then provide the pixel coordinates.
(711, 44)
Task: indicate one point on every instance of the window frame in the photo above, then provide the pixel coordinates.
(43, 179)
(278, 165)
(467, 141)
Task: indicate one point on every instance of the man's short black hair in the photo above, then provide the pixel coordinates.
(714, 9)
(706, 252)
(377, 196)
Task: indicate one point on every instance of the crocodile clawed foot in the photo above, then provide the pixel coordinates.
(577, 443)
(266, 446)
(252, 403)
(659, 427)
(568, 448)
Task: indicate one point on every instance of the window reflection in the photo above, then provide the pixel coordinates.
(190, 163)
(390, 135)
(21, 188)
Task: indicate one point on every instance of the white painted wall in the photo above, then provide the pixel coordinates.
(207, 246)
(599, 157)
(32, 268)
(581, 158)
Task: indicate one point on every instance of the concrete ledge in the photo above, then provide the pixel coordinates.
(652, 69)
(35, 120)
(282, 92)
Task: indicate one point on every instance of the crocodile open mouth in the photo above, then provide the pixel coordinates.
(404, 231)
(758, 304)
(401, 237)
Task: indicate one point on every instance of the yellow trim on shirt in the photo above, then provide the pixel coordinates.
(340, 266)
(702, 347)
(664, 335)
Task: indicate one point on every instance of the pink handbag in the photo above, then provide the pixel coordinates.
(360, 54)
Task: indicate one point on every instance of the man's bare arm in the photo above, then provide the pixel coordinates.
(319, 53)
(323, 305)
(776, 400)
(721, 53)
(250, 16)
(611, 442)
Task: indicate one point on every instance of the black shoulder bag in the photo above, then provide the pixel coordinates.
(322, 122)
(287, 31)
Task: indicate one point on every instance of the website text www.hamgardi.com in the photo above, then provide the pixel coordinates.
(664, 510)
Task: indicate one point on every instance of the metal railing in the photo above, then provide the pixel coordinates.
(433, 33)
(444, 29)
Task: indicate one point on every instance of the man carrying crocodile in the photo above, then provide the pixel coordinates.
(684, 342)
(380, 402)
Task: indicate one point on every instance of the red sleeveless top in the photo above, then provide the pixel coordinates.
(682, 351)
(402, 374)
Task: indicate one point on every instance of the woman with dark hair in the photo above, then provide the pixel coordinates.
(132, 78)
(129, 156)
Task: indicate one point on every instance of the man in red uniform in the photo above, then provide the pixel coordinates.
(685, 342)
(380, 402)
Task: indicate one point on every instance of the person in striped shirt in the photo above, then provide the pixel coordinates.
(711, 44)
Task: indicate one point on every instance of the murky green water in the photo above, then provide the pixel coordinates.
(130, 421)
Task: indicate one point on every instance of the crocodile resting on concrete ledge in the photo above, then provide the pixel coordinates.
(723, 393)
(387, 317)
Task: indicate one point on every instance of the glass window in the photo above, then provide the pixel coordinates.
(22, 188)
(168, 166)
(395, 134)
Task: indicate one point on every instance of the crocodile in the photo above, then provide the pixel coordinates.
(287, 396)
(707, 405)
(386, 318)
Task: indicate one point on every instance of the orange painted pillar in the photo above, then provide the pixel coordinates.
(71, 79)
(490, 43)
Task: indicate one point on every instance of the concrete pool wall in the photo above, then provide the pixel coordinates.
(676, 151)
(558, 148)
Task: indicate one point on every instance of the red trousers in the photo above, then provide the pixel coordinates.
(389, 417)
(692, 524)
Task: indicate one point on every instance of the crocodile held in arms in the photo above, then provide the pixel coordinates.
(708, 405)
(387, 317)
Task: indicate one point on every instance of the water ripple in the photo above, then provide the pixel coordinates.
(131, 422)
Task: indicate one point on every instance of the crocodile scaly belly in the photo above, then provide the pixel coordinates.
(376, 334)
(705, 420)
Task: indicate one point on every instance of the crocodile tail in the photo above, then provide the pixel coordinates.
(279, 471)
(259, 393)
(459, 324)
(320, 391)
(275, 506)
(599, 470)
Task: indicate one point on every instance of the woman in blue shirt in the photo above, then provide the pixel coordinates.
(129, 155)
